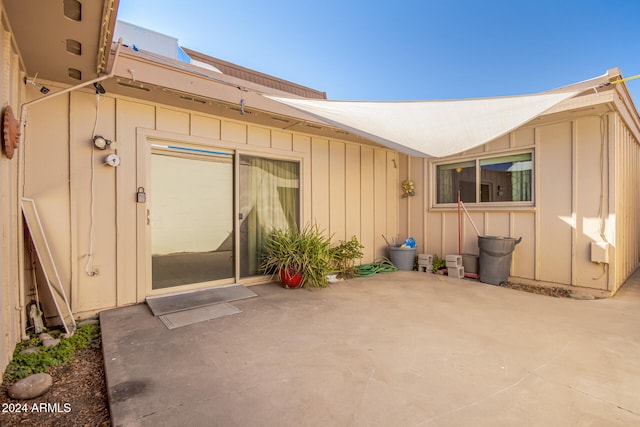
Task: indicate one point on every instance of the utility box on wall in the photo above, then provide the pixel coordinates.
(600, 252)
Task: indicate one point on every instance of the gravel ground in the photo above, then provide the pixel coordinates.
(549, 291)
(78, 397)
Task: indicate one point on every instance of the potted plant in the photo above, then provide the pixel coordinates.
(300, 258)
(343, 257)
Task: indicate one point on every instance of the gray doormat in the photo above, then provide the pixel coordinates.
(161, 305)
(196, 315)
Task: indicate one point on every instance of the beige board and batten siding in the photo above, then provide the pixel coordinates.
(348, 188)
(12, 94)
(586, 173)
(625, 161)
(412, 210)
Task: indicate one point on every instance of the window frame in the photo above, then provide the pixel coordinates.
(477, 159)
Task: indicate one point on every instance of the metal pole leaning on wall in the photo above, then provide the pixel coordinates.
(469, 216)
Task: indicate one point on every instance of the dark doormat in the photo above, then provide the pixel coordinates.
(166, 304)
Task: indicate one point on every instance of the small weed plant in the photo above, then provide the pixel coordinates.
(23, 365)
(438, 263)
(344, 256)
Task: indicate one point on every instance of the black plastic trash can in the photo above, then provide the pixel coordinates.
(495, 258)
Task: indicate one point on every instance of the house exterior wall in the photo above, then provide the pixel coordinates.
(411, 217)
(624, 160)
(585, 176)
(11, 94)
(347, 188)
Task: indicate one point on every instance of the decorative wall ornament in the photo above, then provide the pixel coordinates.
(10, 132)
(408, 188)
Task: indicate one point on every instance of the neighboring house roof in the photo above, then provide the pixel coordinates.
(144, 39)
(254, 76)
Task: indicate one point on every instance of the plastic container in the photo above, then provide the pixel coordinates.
(403, 258)
(470, 263)
(495, 258)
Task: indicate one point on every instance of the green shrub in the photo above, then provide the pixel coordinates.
(344, 255)
(24, 365)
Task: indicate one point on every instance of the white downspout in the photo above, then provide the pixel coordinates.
(21, 176)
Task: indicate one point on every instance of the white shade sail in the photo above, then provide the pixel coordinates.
(431, 128)
(440, 128)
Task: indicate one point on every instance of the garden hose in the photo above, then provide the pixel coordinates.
(382, 265)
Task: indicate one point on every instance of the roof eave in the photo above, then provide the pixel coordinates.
(66, 42)
(160, 79)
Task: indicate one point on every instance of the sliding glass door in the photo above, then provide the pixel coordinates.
(269, 197)
(209, 212)
(191, 213)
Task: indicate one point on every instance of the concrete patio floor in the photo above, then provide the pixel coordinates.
(398, 349)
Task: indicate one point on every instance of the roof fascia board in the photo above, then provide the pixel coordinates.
(626, 108)
(581, 102)
(618, 98)
(108, 24)
(138, 70)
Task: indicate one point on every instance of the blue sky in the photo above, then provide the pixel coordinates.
(409, 50)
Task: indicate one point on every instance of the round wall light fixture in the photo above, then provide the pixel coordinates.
(101, 143)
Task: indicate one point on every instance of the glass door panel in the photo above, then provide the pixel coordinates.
(269, 196)
(191, 210)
